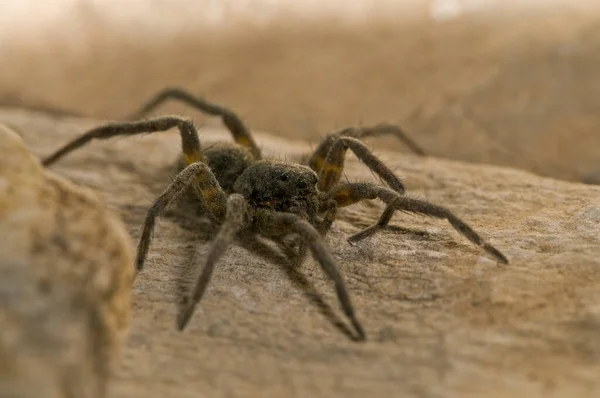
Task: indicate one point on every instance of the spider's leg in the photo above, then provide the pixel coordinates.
(274, 224)
(317, 158)
(189, 136)
(213, 196)
(328, 208)
(347, 194)
(332, 168)
(235, 219)
(241, 133)
(386, 129)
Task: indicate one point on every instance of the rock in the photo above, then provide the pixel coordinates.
(66, 270)
(442, 318)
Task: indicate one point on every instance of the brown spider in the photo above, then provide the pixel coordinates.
(274, 199)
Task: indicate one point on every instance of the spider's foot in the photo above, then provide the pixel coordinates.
(139, 264)
(360, 332)
(142, 252)
(184, 316)
(365, 233)
(495, 253)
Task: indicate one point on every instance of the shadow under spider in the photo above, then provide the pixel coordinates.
(270, 254)
(205, 231)
(415, 233)
(408, 231)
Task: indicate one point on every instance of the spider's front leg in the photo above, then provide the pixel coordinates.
(275, 224)
(213, 198)
(348, 194)
(235, 220)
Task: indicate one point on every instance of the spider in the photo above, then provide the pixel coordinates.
(243, 192)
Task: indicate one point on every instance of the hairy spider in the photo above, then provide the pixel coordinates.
(274, 199)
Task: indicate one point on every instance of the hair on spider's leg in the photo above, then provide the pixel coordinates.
(333, 166)
(271, 223)
(235, 219)
(348, 194)
(190, 141)
(212, 194)
(241, 133)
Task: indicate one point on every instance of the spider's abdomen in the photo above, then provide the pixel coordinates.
(227, 162)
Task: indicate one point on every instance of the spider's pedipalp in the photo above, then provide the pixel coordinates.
(235, 219)
(241, 133)
(328, 208)
(275, 224)
(213, 195)
(190, 142)
(347, 194)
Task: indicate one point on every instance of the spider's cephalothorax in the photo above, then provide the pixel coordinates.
(279, 186)
(242, 192)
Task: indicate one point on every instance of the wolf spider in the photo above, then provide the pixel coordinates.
(241, 191)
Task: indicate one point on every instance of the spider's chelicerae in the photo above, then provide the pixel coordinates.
(243, 192)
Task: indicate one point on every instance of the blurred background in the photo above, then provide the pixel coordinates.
(511, 83)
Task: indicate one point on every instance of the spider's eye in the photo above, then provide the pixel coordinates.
(283, 177)
(301, 184)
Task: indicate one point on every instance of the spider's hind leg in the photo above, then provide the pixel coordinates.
(348, 194)
(317, 159)
(388, 129)
(241, 133)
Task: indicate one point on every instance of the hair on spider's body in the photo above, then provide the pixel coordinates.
(227, 162)
(275, 199)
